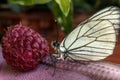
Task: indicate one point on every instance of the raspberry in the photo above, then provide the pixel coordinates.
(23, 48)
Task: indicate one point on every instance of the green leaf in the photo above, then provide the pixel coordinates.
(16, 2)
(65, 22)
(64, 6)
(42, 1)
(28, 2)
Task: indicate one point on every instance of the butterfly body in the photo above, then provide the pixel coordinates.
(93, 39)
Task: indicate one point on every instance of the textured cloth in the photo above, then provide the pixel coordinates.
(64, 71)
(42, 72)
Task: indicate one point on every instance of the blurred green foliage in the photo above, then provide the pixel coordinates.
(63, 9)
(28, 2)
(63, 14)
(64, 6)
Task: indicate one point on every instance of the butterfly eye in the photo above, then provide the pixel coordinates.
(55, 44)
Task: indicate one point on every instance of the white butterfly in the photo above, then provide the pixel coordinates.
(93, 39)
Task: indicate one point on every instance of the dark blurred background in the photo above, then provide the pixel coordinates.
(40, 17)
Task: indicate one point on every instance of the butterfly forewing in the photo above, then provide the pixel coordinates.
(111, 13)
(95, 38)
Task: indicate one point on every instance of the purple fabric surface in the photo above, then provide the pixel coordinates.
(64, 71)
(42, 72)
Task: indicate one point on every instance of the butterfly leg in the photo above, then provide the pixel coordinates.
(54, 61)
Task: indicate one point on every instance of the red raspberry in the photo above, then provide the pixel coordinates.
(23, 48)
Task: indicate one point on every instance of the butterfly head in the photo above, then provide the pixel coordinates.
(61, 51)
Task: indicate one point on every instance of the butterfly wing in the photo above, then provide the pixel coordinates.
(110, 13)
(95, 38)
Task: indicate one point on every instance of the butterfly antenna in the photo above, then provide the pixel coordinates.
(54, 60)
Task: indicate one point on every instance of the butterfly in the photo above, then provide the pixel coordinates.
(94, 39)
